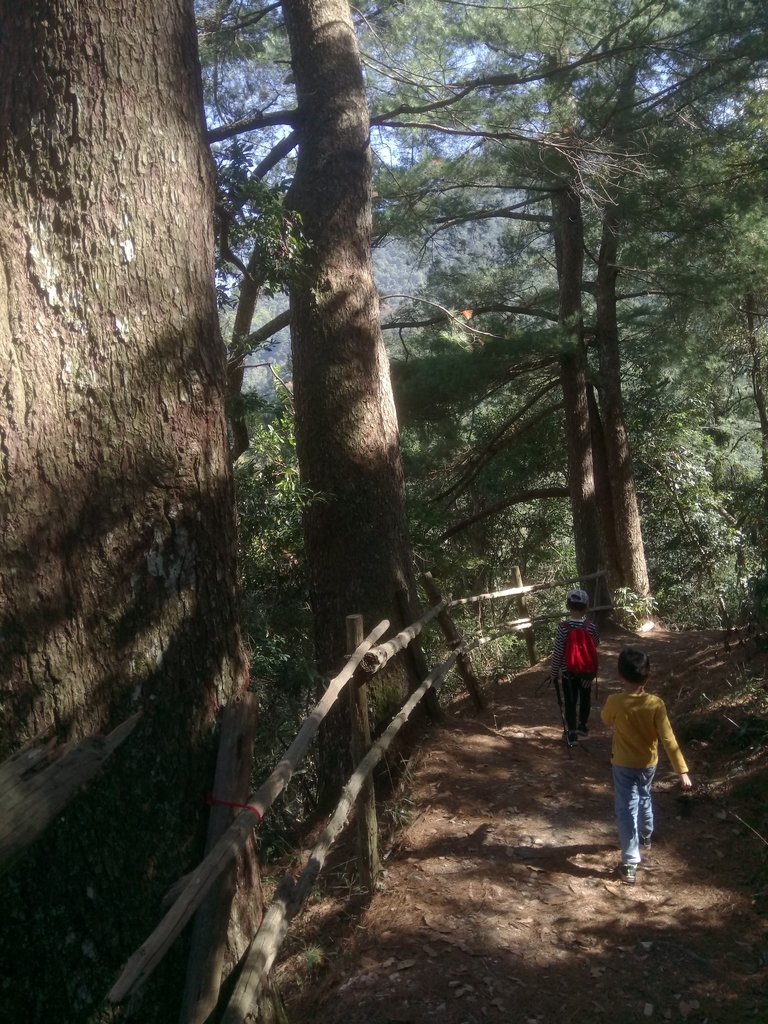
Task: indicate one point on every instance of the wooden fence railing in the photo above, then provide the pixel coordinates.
(366, 657)
(291, 896)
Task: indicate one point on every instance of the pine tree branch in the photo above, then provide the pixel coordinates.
(445, 314)
(276, 154)
(467, 87)
(463, 132)
(248, 124)
(509, 431)
(440, 188)
(265, 332)
(212, 26)
(534, 494)
(505, 212)
(474, 311)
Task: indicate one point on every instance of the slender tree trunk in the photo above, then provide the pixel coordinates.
(117, 539)
(569, 249)
(758, 375)
(609, 532)
(346, 428)
(626, 514)
(250, 289)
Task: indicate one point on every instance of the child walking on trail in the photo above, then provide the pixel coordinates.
(639, 721)
(574, 655)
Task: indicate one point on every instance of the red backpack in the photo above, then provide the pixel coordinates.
(580, 651)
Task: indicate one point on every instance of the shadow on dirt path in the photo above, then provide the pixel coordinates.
(500, 900)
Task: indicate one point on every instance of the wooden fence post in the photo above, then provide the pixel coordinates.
(455, 640)
(192, 890)
(418, 659)
(209, 934)
(601, 603)
(367, 823)
(291, 894)
(523, 612)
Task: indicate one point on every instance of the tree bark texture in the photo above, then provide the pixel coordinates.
(250, 289)
(346, 428)
(759, 392)
(612, 560)
(117, 538)
(621, 477)
(569, 251)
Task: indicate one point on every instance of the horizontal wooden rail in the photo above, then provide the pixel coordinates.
(559, 615)
(369, 658)
(378, 656)
(507, 592)
(151, 952)
(504, 629)
(291, 895)
(517, 625)
(530, 589)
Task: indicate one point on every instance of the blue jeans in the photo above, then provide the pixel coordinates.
(634, 809)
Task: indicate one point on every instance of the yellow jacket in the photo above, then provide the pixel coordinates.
(639, 721)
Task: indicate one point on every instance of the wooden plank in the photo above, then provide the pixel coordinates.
(35, 753)
(151, 952)
(367, 822)
(209, 933)
(36, 784)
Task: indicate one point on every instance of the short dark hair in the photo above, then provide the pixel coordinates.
(634, 665)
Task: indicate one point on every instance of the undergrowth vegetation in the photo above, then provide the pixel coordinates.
(706, 568)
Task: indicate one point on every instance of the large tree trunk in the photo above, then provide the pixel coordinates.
(626, 514)
(608, 532)
(117, 588)
(346, 428)
(569, 249)
(760, 392)
(633, 570)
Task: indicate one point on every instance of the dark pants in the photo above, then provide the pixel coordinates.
(577, 694)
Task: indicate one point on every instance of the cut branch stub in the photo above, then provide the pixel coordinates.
(378, 656)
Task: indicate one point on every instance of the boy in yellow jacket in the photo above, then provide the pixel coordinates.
(639, 721)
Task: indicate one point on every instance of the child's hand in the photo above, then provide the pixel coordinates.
(685, 780)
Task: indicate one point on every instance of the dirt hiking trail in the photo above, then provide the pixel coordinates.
(500, 900)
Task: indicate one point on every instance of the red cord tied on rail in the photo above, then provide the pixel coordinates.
(214, 801)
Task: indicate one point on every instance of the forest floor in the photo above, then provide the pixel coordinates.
(500, 901)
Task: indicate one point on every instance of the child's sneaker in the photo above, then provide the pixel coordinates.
(571, 737)
(584, 728)
(628, 873)
(645, 843)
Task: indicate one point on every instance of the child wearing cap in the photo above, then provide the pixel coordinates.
(577, 685)
(639, 721)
